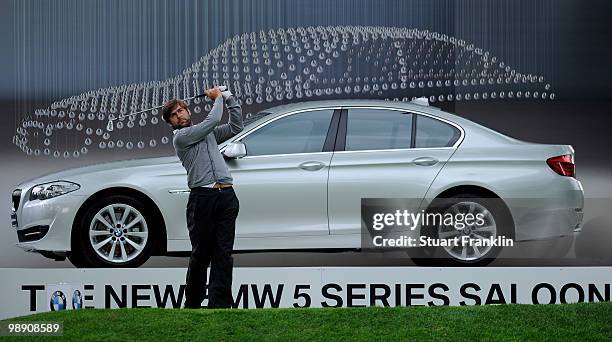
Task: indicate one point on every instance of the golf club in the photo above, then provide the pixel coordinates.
(110, 126)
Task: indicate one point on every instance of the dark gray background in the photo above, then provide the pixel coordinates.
(55, 49)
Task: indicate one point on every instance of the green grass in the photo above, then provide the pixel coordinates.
(585, 321)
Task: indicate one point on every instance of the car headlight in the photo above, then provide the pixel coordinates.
(52, 189)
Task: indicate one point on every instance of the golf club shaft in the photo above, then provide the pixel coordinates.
(148, 109)
(109, 125)
(221, 88)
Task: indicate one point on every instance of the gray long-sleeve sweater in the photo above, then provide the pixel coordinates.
(196, 145)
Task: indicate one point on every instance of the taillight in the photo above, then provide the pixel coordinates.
(563, 165)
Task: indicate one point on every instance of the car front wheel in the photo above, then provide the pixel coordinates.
(113, 232)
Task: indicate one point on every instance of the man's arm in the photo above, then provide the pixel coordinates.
(234, 125)
(190, 135)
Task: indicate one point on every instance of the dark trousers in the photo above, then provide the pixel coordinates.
(211, 220)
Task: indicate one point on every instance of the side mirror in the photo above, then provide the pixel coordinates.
(235, 150)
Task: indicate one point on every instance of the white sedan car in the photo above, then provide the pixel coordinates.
(301, 172)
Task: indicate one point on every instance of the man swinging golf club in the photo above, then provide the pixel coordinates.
(212, 207)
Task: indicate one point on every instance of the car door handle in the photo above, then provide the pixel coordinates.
(425, 161)
(311, 166)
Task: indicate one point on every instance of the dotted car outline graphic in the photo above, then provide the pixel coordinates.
(268, 68)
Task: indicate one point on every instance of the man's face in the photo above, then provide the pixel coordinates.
(180, 117)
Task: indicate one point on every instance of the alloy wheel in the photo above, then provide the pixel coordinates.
(486, 231)
(118, 233)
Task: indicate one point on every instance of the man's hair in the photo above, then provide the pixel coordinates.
(169, 106)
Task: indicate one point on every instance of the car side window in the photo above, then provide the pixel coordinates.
(377, 129)
(434, 133)
(303, 132)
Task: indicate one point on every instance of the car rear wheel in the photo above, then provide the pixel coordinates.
(113, 232)
(473, 247)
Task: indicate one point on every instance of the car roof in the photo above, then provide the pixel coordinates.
(464, 123)
(478, 135)
(277, 110)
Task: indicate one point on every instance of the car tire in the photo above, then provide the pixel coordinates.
(498, 222)
(129, 237)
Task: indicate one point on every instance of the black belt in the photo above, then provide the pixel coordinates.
(201, 189)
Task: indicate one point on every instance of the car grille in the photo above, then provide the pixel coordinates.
(16, 198)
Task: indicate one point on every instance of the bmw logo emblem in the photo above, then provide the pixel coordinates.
(77, 300)
(58, 301)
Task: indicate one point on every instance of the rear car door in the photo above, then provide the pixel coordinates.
(385, 153)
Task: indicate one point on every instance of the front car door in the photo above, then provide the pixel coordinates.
(385, 153)
(282, 181)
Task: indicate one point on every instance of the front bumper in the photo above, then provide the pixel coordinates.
(45, 225)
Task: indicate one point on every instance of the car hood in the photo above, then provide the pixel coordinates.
(116, 165)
